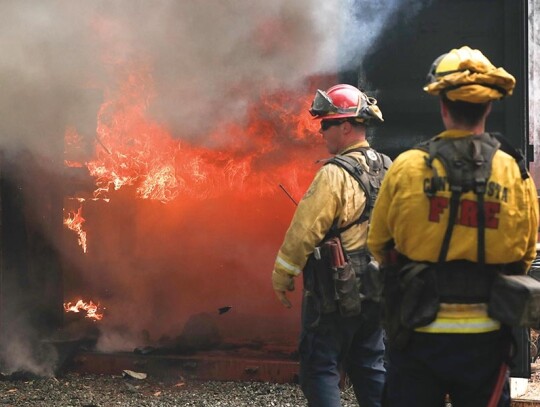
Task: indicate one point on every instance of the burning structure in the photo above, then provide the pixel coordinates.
(143, 150)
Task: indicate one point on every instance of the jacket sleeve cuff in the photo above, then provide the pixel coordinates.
(282, 282)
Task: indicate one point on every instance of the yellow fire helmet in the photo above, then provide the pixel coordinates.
(466, 75)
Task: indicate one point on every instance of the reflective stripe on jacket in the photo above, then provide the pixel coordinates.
(461, 318)
(405, 215)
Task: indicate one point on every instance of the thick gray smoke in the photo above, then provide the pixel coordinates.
(208, 59)
(534, 85)
(23, 353)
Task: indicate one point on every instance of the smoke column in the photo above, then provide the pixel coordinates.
(209, 58)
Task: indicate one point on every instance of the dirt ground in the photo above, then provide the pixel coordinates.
(75, 390)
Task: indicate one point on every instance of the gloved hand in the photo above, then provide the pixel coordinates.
(281, 284)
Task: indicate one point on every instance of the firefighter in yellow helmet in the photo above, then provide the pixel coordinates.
(451, 213)
(326, 243)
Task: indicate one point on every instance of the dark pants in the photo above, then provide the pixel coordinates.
(354, 344)
(465, 366)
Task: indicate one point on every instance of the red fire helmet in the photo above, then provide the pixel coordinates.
(342, 101)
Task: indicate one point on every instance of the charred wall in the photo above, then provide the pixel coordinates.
(33, 184)
(30, 274)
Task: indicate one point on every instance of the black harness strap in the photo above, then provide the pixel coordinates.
(454, 205)
(468, 166)
(353, 168)
(480, 182)
(516, 154)
(368, 180)
(467, 162)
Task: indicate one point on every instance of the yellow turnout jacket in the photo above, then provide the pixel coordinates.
(333, 194)
(416, 225)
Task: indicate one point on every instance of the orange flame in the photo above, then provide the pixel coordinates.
(74, 221)
(90, 308)
(135, 151)
(275, 144)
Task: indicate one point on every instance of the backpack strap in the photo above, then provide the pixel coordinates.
(377, 163)
(468, 167)
(356, 171)
(454, 205)
(515, 153)
(505, 146)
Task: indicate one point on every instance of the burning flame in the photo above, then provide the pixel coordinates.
(275, 143)
(74, 221)
(90, 308)
(133, 150)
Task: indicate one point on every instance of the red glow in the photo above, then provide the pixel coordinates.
(209, 215)
(73, 150)
(72, 164)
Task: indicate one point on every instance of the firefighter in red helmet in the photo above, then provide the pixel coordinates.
(326, 243)
(345, 101)
(453, 215)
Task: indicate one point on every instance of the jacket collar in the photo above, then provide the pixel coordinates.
(354, 146)
(453, 133)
